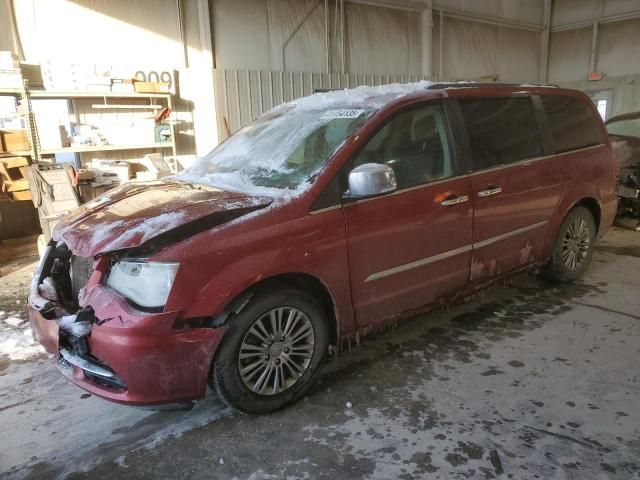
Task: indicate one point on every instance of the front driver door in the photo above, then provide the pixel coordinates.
(411, 246)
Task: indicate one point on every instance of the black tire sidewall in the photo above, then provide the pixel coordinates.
(557, 270)
(225, 374)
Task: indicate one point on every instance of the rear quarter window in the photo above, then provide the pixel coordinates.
(573, 124)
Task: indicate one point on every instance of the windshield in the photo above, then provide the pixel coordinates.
(629, 128)
(280, 153)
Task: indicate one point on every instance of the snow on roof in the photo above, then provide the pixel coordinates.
(374, 96)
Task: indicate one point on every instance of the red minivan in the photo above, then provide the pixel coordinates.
(322, 220)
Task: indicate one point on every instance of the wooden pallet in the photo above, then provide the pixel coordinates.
(13, 177)
(13, 248)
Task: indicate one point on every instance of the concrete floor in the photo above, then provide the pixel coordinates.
(526, 381)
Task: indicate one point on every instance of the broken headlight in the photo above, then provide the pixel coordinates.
(144, 283)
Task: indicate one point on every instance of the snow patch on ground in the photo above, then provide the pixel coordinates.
(18, 344)
(204, 412)
(291, 470)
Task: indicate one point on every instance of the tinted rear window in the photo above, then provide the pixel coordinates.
(501, 130)
(573, 124)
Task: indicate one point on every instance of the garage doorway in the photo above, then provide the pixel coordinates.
(603, 101)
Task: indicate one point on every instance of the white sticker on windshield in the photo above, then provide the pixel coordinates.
(333, 114)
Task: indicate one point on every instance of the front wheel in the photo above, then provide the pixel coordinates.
(574, 248)
(272, 352)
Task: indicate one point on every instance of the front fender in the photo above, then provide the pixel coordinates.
(314, 245)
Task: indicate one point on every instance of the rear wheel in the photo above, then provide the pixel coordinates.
(272, 352)
(574, 247)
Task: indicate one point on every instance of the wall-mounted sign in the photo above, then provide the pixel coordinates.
(595, 76)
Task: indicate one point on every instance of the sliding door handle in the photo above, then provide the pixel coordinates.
(454, 200)
(489, 191)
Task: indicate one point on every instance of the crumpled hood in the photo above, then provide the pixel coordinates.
(627, 150)
(136, 212)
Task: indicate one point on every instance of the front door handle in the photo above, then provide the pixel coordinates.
(489, 191)
(454, 200)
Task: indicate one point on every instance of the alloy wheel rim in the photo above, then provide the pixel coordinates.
(276, 351)
(576, 244)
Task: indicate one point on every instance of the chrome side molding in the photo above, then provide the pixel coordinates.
(510, 234)
(452, 253)
(418, 263)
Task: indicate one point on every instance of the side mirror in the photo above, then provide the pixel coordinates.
(369, 180)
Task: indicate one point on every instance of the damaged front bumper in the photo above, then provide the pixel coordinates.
(628, 190)
(125, 355)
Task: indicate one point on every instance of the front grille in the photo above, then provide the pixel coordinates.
(80, 272)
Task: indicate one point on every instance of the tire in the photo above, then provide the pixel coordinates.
(250, 330)
(574, 247)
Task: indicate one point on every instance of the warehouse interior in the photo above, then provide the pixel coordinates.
(524, 380)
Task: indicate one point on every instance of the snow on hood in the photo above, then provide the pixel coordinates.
(134, 213)
(270, 148)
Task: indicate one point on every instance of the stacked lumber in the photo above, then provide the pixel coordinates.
(13, 176)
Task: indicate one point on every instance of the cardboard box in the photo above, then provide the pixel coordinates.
(65, 196)
(151, 87)
(32, 73)
(14, 140)
(89, 191)
(111, 170)
(13, 168)
(17, 186)
(83, 174)
(22, 196)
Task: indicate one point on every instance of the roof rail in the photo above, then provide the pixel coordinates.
(437, 86)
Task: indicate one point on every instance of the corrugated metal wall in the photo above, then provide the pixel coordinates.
(243, 95)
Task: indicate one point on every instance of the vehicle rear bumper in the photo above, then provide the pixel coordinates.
(152, 362)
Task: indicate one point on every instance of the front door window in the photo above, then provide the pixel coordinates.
(413, 143)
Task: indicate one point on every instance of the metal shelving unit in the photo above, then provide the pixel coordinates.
(92, 148)
(26, 94)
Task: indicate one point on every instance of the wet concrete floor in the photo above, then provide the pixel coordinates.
(527, 380)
